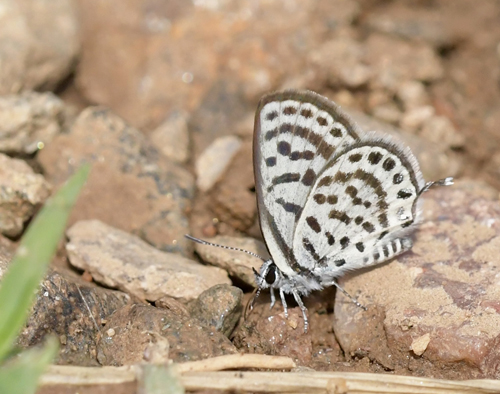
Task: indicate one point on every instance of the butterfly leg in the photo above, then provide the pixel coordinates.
(273, 297)
(283, 301)
(302, 308)
(334, 283)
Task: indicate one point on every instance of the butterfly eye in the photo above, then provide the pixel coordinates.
(271, 275)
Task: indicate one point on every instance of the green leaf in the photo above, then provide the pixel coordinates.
(20, 375)
(159, 379)
(27, 269)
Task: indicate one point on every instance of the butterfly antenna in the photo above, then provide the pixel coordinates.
(201, 241)
(442, 182)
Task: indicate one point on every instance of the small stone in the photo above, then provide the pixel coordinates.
(412, 94)
(416, 117)
(394, 61)
(124, 261)
(419, 345)
(440, 129)
(172, 137)
(388, 112)
(236, 263)
(146, 333)
(21, 193)
(219, 308)
(29, 121)
(213, 162)
(39, 44)
(110, 332)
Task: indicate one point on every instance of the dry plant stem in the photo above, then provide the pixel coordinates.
(237, 361)
(331, 382)
(276, 382)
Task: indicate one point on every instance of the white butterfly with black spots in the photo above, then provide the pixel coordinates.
(331, 198)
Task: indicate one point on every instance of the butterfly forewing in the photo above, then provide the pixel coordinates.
(359, 209)
(296, 134)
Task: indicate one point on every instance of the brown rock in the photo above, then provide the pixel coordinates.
(167, 34)
(139, 333)
(172, 137)
(443, 287)
(218, 308)
(121, 260)
(23, 192)
(131, 185)
(233, 197)
(394, 61)
(38, 44)
(29, 121)
(75, 312)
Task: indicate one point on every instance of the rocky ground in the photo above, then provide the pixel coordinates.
(160, 98)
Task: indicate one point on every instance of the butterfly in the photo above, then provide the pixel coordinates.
(331, 198)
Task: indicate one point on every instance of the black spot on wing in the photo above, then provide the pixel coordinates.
(389, 164)
(339, 263)
(313, 224)
(319, 198)
(367, 226)
(339, 215)
(336, 132)
(309, 177)
(397, 179)
(330, 238)
(321, 121)
(344, 242)
(285, 178)
(382, 219)
(325, 181)
(290, 207)
(310, 248)
(306, 113)
(290, 110)
(284, 148)
(271, 134)
(360, 246)
(351, 191)
(358, 220)
(332, 199)
(271, 161)
(355, 157)
(342, 177)
(374, 157)
(404, 194)
(272, 115)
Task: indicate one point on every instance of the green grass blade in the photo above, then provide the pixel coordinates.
(159, 379)
(20, 375)
(28, 267)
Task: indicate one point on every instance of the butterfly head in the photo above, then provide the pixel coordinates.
(268, 276)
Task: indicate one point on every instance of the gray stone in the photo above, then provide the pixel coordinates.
(124, 261)
(75, 312)
(29, 121)
(21, 193)
(39, 42)
(219, 308)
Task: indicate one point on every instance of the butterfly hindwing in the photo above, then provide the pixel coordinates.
(296, 134)
(359, 210)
